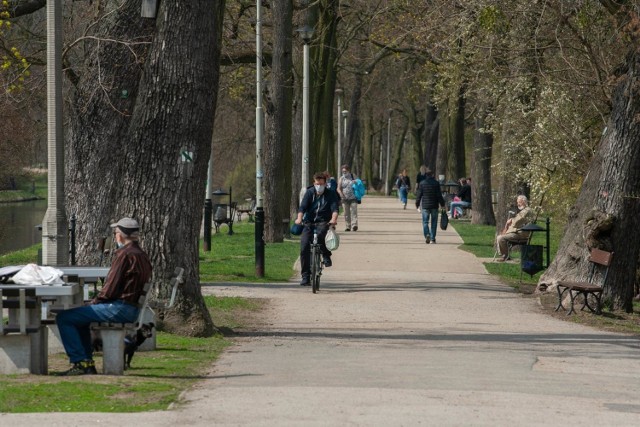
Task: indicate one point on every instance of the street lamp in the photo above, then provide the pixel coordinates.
(306, 33)
(259, 225)
(386, 180)
(339, 142)
(345, 113)
(55, 250)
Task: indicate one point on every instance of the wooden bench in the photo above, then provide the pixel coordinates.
(249, 209)
(600, 260)
(113, 334)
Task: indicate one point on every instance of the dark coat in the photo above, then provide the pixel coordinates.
(429, 194)
(318, 208)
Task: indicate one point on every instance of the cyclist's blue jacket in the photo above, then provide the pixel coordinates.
(318, 207)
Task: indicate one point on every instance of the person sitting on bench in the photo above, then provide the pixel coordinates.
(512, 232)
(116, 302)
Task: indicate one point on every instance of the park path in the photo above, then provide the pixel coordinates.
(403, 333)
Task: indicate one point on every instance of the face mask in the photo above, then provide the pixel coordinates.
(345, 174)
(319, 188)
(119, 245)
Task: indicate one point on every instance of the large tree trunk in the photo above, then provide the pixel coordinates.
(277, 146)
(457, 153)
(431, 134)
(133, 144)
(353, 121)
(606, 212)
(481, 172)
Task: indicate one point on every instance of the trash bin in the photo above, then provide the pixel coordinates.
(531, 260)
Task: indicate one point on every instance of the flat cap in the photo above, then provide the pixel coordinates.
(128, 225)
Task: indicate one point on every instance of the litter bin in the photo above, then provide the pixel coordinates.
(531, 259)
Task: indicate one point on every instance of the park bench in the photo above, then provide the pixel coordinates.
(247, 208)
(113, 334)
(600, 260)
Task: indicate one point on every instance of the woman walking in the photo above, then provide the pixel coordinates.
(348, 197)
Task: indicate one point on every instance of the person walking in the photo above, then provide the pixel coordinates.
(428, 197)
(348, 197)
(404, 184)
(116, 302)
(319, 208)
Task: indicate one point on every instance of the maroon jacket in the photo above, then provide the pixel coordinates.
(129, 272)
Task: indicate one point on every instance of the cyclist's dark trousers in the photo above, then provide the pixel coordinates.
(306, 238)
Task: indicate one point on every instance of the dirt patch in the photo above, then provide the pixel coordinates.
(243, 319)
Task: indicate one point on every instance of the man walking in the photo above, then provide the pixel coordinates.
(429, 196)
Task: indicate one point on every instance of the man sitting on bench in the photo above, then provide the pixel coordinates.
(116, 302)
(512, 232)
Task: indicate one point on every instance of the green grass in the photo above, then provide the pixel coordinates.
(155, 380)
(479, 240)
(232, 258)
(21, 257)
(24, 191)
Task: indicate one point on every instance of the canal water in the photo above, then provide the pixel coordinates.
(18, 223)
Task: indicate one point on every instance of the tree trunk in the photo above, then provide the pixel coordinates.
(277, 145)
(138, 146)
(605, 215)
(431, 133)
(353, 123)
(367, 173)
(323, 84)
(457, 153)
(481, 173)
(444, 140)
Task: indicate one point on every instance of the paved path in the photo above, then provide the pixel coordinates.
(404, 333)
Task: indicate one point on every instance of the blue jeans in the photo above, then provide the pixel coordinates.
(457, 204)
(403, 194)
(426, 215)
(74, 325)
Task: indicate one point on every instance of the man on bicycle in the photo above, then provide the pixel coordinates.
(318, 209)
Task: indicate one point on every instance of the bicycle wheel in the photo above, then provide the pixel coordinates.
(318, 269)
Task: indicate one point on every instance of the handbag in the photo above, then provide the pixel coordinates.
(332, 240)
(444, 219)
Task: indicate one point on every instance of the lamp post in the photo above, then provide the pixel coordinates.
(306, 33)
(259, 227)
(386, 175)
(55, 249)
(339, 142)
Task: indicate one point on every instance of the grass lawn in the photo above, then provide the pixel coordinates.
(232, 258)
(156, 378)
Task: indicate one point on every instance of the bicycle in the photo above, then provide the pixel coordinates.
(316, 259)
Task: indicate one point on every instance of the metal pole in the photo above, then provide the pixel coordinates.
(339, 155)
(305, 117)
(55, 231)
(208, 207)
(386, 176)
(259, 225)
(548, 242)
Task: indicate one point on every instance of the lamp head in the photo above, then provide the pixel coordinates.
(306, 33)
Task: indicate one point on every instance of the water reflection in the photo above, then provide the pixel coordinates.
(18, 222)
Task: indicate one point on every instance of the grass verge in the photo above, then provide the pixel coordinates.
(479, 240)
(232, 258)
(156, 378)
(154, 381)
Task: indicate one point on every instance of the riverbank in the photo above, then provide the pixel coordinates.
(31, 186)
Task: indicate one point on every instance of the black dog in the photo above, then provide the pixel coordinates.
(131, 341)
